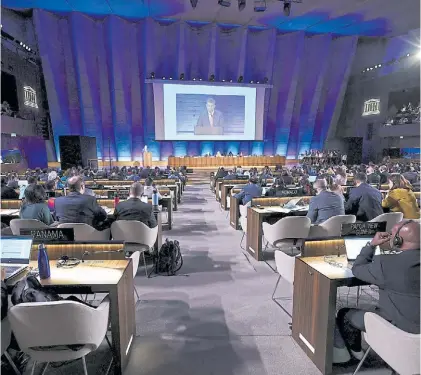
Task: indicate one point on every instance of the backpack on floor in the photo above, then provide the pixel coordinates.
(169, 259)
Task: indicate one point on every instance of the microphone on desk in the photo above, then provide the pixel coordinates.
(86, 252)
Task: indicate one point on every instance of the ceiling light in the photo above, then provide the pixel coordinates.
(152, 75)
(223, 80)
(181, 76)
(380, 65)
(20, 43)
(259, 5)
(163, 77)
(194, 79)
(224, 3)
(212, 78)
(200, 79)
(265, 80)
(287, 8)
(193, 3)
(231, 80)
(241, 4)
(408, 54)
(251, 81)
(170, 77)
(240, 79)
(401, 137)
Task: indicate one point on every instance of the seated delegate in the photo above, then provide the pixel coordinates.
(364, 201)
(398, 279)
(401, 198)
(34, 206)
(76, 207)
(134, 209)
(149, 188)
(6, 191)
(250, 191)
(325, 204)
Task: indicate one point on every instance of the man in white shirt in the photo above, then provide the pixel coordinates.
(148, 188)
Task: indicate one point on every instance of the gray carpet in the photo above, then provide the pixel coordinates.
(216, 316)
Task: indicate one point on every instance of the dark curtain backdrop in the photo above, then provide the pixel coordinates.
(95, 72)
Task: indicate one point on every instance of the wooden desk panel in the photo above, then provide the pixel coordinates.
(225, 193)
(228, 161)
(314, 307)
(235, 213)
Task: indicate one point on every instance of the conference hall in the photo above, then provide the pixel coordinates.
(201, 187)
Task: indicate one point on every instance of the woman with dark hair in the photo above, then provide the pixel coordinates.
(34, 206)
(401, 198)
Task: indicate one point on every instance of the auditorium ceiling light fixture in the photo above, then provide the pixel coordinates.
(241, 5)
(152, 75)
(194, 3)
(212, 78)
(181, 76)
(194, 79)
(200, 79)
(265, 80)
(401, 137)
(224, 3)
(391, 62)
(259, 5)
(240, 79)
(231, 80)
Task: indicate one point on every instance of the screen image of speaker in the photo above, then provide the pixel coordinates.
(76, 150)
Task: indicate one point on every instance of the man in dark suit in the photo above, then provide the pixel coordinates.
(372, 176)
(144, 173)
(250, 191)
(398, 279)
(211, 117)
(134, 209)
(325, 204)
(6, 191)
(365, 201)
(76, 207)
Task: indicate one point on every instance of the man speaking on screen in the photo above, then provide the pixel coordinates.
(211, 119)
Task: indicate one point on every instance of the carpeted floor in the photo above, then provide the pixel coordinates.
(216, 316)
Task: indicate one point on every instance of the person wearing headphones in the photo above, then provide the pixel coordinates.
(398, 277)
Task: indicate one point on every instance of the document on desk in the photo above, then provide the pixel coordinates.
(108, 210)
(9, 211)
(105, 263)
(280, 210)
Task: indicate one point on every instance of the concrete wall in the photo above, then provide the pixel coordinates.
(378, 83)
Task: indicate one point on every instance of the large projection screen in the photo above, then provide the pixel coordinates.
(208, 112)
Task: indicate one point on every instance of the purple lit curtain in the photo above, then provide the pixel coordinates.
(95, 72)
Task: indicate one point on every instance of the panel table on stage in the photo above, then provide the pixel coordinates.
(217, 161)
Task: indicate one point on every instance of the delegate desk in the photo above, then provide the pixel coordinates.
(219, 183)
(268, 207)
(217, 161)
(314, 305)
(114, 277)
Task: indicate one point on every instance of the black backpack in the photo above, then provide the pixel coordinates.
(169, 259)
(30, 290)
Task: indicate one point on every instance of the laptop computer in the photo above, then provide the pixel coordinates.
(15, 252)
(354, 245)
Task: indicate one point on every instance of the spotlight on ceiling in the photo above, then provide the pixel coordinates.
(265, 80)
(153, 75)
(241, 4)
(231, 80)
(224, 3)
(193, 3)
(251, 81)
(212, 78)
(240, 79)
(223, 80)
(163, 77)
(287, 8)
(181, 76)
(194, 79)
(200, 79)
(259, 5)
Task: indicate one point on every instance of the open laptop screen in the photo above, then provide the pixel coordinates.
(354, 246)
(15, 249)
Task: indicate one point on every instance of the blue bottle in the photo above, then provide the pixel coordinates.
(43, 262)
(155, 198)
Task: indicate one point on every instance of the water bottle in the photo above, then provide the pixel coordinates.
(155, 198)
(116, 200)
(43, 262)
